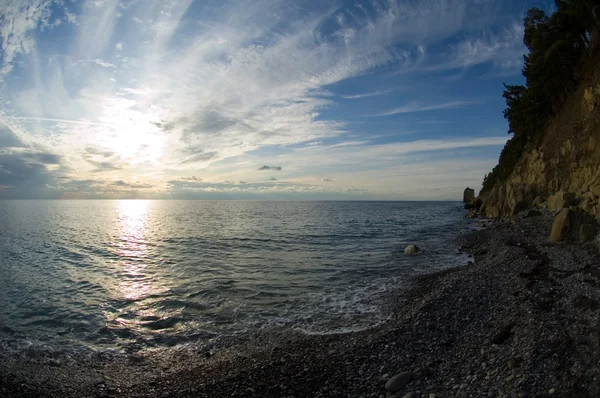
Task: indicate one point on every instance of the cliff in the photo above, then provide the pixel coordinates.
(564, 157)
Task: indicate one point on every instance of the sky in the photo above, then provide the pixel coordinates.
(183, 99)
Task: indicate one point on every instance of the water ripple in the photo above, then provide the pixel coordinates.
(117, 273)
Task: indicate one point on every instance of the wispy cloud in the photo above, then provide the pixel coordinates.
(145, 92)
(367, 95)
(18, 22)
(412, 108)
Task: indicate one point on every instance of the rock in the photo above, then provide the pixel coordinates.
(503, 334)
(515, 362)
(532, 213)
(411, 249)
(410, 395)
(586, 202)
(520, 206)
(587, 231)
(589, 196)
(398, 382)
(560, 200)
(492, 211)
(472, 214)
(468, 195)
(469, 206)
(573, 224)
(537, 202)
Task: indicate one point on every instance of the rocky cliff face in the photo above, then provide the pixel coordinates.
(565, 158)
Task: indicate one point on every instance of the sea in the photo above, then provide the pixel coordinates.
(103, 275)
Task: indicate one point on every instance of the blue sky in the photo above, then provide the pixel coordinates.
(386, 100)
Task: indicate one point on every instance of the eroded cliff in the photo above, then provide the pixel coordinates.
(566, 157)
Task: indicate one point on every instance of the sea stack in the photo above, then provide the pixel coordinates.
(468, 195)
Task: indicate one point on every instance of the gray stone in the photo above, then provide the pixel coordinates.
(532, 213)
(397, 382)
(411, 249)
(410, 395)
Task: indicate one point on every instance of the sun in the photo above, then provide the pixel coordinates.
(135, 135)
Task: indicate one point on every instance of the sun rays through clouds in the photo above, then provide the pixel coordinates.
(162, 99)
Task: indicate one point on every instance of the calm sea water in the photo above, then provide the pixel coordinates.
(161, 273)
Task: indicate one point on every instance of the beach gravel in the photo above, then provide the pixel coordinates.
(521, 321)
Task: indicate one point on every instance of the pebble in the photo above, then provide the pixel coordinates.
(398, 381)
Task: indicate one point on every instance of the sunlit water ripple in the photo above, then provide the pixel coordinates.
(160, 273)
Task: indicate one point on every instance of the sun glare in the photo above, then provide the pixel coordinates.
(133, 216)
(135, 135)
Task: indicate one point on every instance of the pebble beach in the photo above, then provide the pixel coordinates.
(521, 320)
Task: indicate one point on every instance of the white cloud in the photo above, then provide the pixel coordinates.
(70, 17)
(367, 95)
(504, 49)
(99, 62)
(412, 108)
(187, 95)
(18, 21)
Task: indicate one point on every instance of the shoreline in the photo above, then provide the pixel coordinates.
(521, 321)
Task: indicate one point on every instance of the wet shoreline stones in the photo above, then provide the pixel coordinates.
(519, 322)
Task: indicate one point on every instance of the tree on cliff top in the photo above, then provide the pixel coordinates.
(558, 46)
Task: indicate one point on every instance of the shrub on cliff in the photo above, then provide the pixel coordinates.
(558, 47)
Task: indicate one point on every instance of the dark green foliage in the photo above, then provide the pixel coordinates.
(558, 47)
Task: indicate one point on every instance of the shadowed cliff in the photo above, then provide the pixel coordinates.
(554, 118)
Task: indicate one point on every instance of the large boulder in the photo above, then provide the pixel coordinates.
(560, 200)
(468, 195)
(573, 224)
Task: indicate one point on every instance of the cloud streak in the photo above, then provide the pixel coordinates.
(367, 95)
(413, 108)
(265, 167)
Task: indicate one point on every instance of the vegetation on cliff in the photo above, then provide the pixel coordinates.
(559, 46)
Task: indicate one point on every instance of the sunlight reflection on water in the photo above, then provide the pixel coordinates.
(114, 272)
(137, 281)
